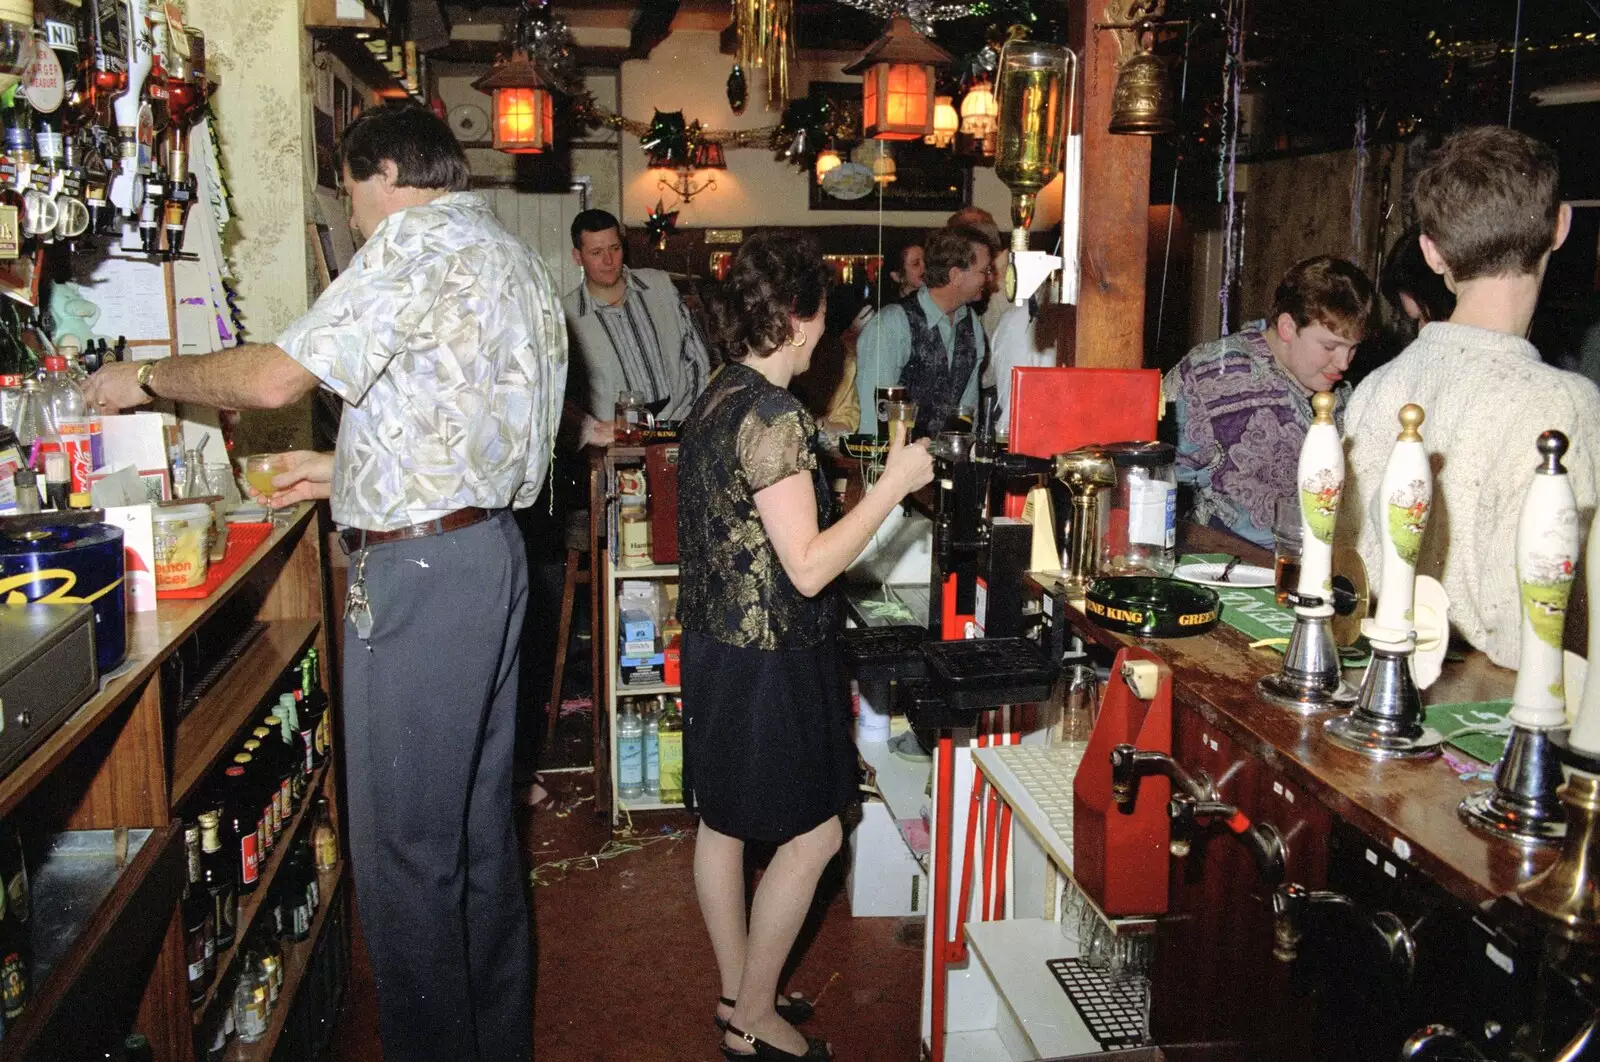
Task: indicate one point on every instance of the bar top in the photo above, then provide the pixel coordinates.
(1405, 806)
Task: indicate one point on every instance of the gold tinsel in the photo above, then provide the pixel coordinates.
(766, 40)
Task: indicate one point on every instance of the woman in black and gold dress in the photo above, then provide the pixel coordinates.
(768, 753)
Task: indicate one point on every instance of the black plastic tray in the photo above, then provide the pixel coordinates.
(884, 652)
(989, 672)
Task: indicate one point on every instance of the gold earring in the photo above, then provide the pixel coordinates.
(797, 340)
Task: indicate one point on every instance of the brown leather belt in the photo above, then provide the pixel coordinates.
(355, 538)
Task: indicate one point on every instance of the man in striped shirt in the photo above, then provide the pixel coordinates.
(631, 329)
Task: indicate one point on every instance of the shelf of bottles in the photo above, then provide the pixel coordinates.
(96, 138)
(263, 859)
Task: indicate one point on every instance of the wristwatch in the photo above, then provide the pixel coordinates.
(146, 371)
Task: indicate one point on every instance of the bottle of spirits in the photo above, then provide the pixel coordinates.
(221, 882)
(199, 934)
(630, 753)
(241, 818)
(670, 740)
(324, 838)
(652, 753)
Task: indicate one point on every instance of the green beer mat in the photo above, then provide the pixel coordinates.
(1252, 611)
(1448, 719)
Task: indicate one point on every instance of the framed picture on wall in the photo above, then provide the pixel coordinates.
(926, 178)
(322, 133)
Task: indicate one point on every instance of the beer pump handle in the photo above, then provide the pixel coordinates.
(1405, 501)
(1319, 483)
(1547, 561)
(1586, 730)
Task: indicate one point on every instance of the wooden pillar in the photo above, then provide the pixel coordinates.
(1109, 328)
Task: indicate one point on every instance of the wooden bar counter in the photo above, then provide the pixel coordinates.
(1219, 993)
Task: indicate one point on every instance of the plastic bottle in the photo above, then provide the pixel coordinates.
(30, 424)
(652, 754)
(630, 753)
(63, 398)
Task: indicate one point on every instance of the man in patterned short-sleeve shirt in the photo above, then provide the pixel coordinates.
(446, 342)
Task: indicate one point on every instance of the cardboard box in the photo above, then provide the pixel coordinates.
(673, 668)
(885, 879)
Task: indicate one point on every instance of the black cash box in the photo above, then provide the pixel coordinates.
(47, 670)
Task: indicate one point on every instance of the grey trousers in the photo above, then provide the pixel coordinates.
(430, 721)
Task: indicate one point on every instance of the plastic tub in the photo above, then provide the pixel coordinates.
(183, 543)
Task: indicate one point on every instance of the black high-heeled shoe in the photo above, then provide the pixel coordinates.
(816, 1049)
(795, 1009)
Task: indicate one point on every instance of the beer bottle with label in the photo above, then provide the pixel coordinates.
(288, 711)
(272, 778)
(16, 944)
(281, 768)
(241, 820)
(306, 742)
(199, 935)
(266, 792)
(324, 838)
(221, 882)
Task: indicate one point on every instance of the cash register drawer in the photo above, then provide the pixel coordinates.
(47, 669)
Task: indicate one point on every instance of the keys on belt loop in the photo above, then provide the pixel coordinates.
(357, 608)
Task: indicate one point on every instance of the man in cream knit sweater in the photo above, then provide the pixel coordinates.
(1490, 216)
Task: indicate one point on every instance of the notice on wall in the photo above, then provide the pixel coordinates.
(131, 294)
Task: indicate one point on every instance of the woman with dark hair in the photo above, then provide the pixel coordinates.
(768, 755)
(1417, 294)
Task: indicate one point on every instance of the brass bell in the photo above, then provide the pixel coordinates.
(1141, 102)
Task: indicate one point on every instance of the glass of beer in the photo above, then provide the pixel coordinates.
(1286, 548)
(631, 416)
(882, 396)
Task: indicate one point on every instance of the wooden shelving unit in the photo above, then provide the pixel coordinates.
(123, 764)
(615, 691)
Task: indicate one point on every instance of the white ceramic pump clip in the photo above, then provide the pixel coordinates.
(1311, 678)
(1410, 604)
(1411, 630)
(1523, 807)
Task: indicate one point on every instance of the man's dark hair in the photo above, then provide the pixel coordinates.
(949, 248)
(1407, 273)
(1488, 199)
(424, 151)
(1327, 291)
(593, 221)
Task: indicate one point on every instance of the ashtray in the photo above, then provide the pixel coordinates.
(1148, 607)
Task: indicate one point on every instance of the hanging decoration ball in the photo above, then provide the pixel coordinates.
(661, 223)
(738, 91)
(803, 128)
(667, 139)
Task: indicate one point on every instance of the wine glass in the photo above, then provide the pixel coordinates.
(259, 470)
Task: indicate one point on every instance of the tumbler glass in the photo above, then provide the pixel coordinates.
(630, 413)
(1286, 542)
(901, 416)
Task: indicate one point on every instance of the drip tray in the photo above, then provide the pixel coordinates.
(988, 672)
(1114, 1013)
(884, 652)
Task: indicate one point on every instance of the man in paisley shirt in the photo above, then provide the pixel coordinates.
(1243, 402)
(446, 342)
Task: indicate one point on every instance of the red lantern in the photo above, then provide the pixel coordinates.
(524, 113)
(897, 83)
